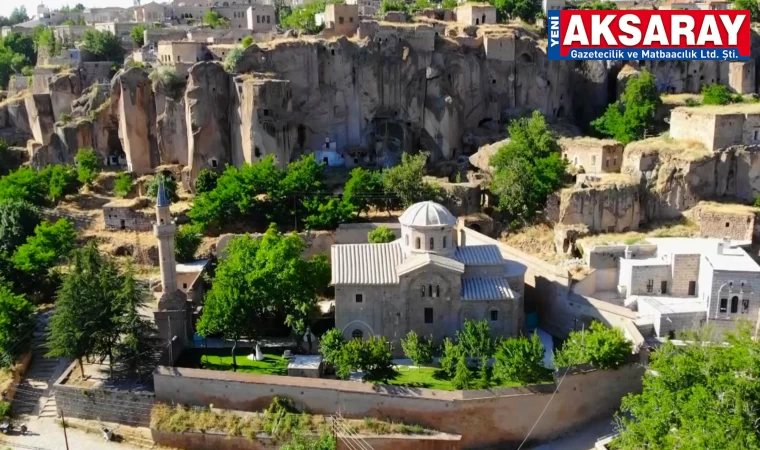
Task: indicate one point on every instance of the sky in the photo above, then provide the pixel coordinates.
(7, 6)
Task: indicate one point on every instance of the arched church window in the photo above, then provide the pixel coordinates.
(357, 334)
(430, 290)
(437, 290)
(417, 243)
(735, 304)
(423, 290)
(444, 242)
(432, 244)
(745, 306)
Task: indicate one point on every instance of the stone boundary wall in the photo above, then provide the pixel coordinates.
(124, 407)
(498, 417)
(19, 369)
(218, 441)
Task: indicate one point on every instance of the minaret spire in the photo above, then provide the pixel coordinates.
(165, 229)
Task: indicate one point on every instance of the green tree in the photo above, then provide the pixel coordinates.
(103, 44)
(418, 349)
(475, 338)
(88, 166)
(629, 119)
(602, 347)
(137, 345)
(18, 15)
(16, 321)
(18, 220)
(170, 186)
(62, 180)
(749, 5)
(206, 181)
(406, 181)
(528, 169)
(364, 189)
(84, 321)
(381, 235)
(393, 5)
(138, 35)
(718, 94)
(299, 187)
(302, 17)
(526, 10)
(462, 377)
(50, 243)
(258, 280)
(450, 355)
(247, 41)
(232, 59)
(186, 242)
(700, 395)
(520, 359)
(326, 215)
(21, 44)
(123, 184)
(371, 356)
(420, 5)
(449, 4)
(214, 19)
(330, 345)
(599, 5)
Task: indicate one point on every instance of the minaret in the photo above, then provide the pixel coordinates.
(164, 229)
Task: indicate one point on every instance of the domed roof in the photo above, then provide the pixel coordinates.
(427, 214)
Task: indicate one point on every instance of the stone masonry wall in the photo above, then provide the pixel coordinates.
(499, 418)
(640, 276)
(685, 270)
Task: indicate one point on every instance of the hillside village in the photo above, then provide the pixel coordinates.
(371, 225)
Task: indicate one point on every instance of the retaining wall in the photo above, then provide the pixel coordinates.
(496, 417)
(125, 407)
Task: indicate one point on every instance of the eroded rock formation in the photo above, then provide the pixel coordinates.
(132, 96)
(607, 206)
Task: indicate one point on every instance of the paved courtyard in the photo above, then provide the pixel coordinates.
(47, 434)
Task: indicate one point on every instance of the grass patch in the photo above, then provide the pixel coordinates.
(434, 378)
(688, 150)
(678, 228)
(271, 365)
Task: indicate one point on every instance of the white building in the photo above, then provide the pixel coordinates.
(678, 284)
(551, 5)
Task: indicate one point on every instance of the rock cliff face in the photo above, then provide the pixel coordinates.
(132, 96)
(208, 107)
(672, 183)
(171, 128)
(611, 207)
(41, 120)
(64, 89)
(14, 122)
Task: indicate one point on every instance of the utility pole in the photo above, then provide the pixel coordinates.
(65, 437)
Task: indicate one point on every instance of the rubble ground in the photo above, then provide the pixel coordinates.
(679, 228)
(663, 144)
(536, 240)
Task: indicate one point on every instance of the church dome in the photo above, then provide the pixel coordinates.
(427, 214)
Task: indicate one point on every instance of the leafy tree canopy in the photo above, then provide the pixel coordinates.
(476, 340)
(103, 44)
(599, 5)
(170, 187)
(418, 349)
(18, 15)
(528, 169)
(50, 243)
(702, 395)
(214, 19)
(526, 10)
(520, 359)
(629, 119)
(16, 321)
(123, 184)
(330, 345)
(88, 165)
(602, 347)
(186, 242)
(206, 181)
(247, 41)
(18, 220)
(718, 94)
(302, 17)
(749, 5)
(364, 189)
(406, 180)
(381, 235)
(138, 35)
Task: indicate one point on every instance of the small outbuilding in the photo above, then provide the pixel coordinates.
(128, 214)
(308, 366)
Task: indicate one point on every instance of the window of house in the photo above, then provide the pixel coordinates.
(444, 242)
(357, 334)
(735, 304)
(430, 290)
(428, 315)
(340, 20)
(351, 19)
(723, 305)
(258, 19)
(593, 160)
(663, 287)
(692, 288)
(406, 240)
(614, 160)
(417, 243)
(184, 285)
(423, 290)
(650, 285)
(745, 306)
(214, 163)
(359, 298)
(432, 244)
(754, 135)
(494, 315)
(269, 19)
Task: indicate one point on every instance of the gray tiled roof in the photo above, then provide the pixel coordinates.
(423, 259)
(486, 288)
(475, 255)
(366, 263)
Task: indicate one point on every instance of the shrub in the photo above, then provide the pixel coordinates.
(87, 166)
(233, 59)
(602, 347)
(247, 41)
(450, 356)
(520, 359)
(166, 78)
(381, 235)
(418, 349)
(170, 186)
(330, 345)
(186, 242)
(371, 356)
(718, 94)
(206, 181)
(5, 410)
(463, 377)
(629, 119)
(123, 184)
(65, 118)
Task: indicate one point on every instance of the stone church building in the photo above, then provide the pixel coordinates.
(428, 281)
